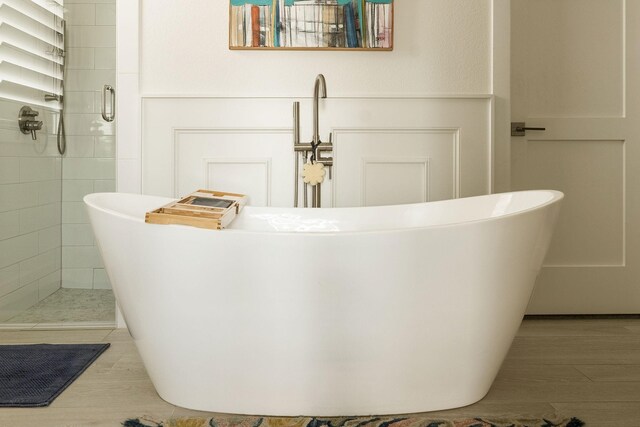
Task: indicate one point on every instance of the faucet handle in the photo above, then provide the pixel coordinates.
(31, 125)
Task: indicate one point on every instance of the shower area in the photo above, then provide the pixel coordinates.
(57, 144)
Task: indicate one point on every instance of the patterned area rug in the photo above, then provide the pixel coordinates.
(399, 421)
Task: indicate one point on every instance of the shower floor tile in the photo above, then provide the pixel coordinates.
(91, 307)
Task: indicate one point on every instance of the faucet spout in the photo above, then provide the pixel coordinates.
(320, 83)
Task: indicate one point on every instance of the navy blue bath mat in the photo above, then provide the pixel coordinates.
(34, 375)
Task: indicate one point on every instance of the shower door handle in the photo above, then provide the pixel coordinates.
(108, 89)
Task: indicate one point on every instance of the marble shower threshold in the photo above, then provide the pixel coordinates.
(68, 309)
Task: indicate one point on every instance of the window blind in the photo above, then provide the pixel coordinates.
(31, 50)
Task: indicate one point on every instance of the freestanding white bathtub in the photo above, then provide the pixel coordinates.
(347, 311)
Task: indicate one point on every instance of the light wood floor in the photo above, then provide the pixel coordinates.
(589, 368)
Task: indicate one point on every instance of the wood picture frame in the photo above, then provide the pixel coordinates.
(340, 25)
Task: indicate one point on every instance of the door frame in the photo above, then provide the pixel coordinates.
(501, 90)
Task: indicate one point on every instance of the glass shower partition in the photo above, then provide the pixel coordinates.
(31, 61)
(54, 59)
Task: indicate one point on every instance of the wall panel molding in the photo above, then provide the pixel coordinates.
(397, 162)
(461, 96)
(391, 152)
(454, 133)
(255, 163)
(244, 153)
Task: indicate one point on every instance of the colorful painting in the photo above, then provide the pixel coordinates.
(311, 24)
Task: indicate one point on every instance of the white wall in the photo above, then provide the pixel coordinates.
(175, 48)
(441, 47)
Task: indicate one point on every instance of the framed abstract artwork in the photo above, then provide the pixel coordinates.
(311, 24)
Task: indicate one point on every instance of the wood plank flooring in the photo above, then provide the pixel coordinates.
(589, 368)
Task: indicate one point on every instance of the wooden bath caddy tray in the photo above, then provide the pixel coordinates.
(204, 208)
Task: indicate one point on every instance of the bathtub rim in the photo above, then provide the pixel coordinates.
(556, 196)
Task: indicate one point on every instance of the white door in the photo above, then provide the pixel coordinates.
(575, 69)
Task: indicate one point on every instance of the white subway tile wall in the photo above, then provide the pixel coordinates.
(89, 165)
(30, 213)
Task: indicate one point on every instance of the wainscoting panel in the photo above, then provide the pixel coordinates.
(394, 166)
(386, 151)
(256, 162)
(245, 176)
(393, 181)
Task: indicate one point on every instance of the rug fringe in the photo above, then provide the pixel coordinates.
(138, 422)
(574, 422)
(133, 422)
(368, 421)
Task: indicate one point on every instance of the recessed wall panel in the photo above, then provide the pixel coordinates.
(590, 228)
(256, 162)
(395, 182)
(568, 58)
(389, 166)
(249, 177)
